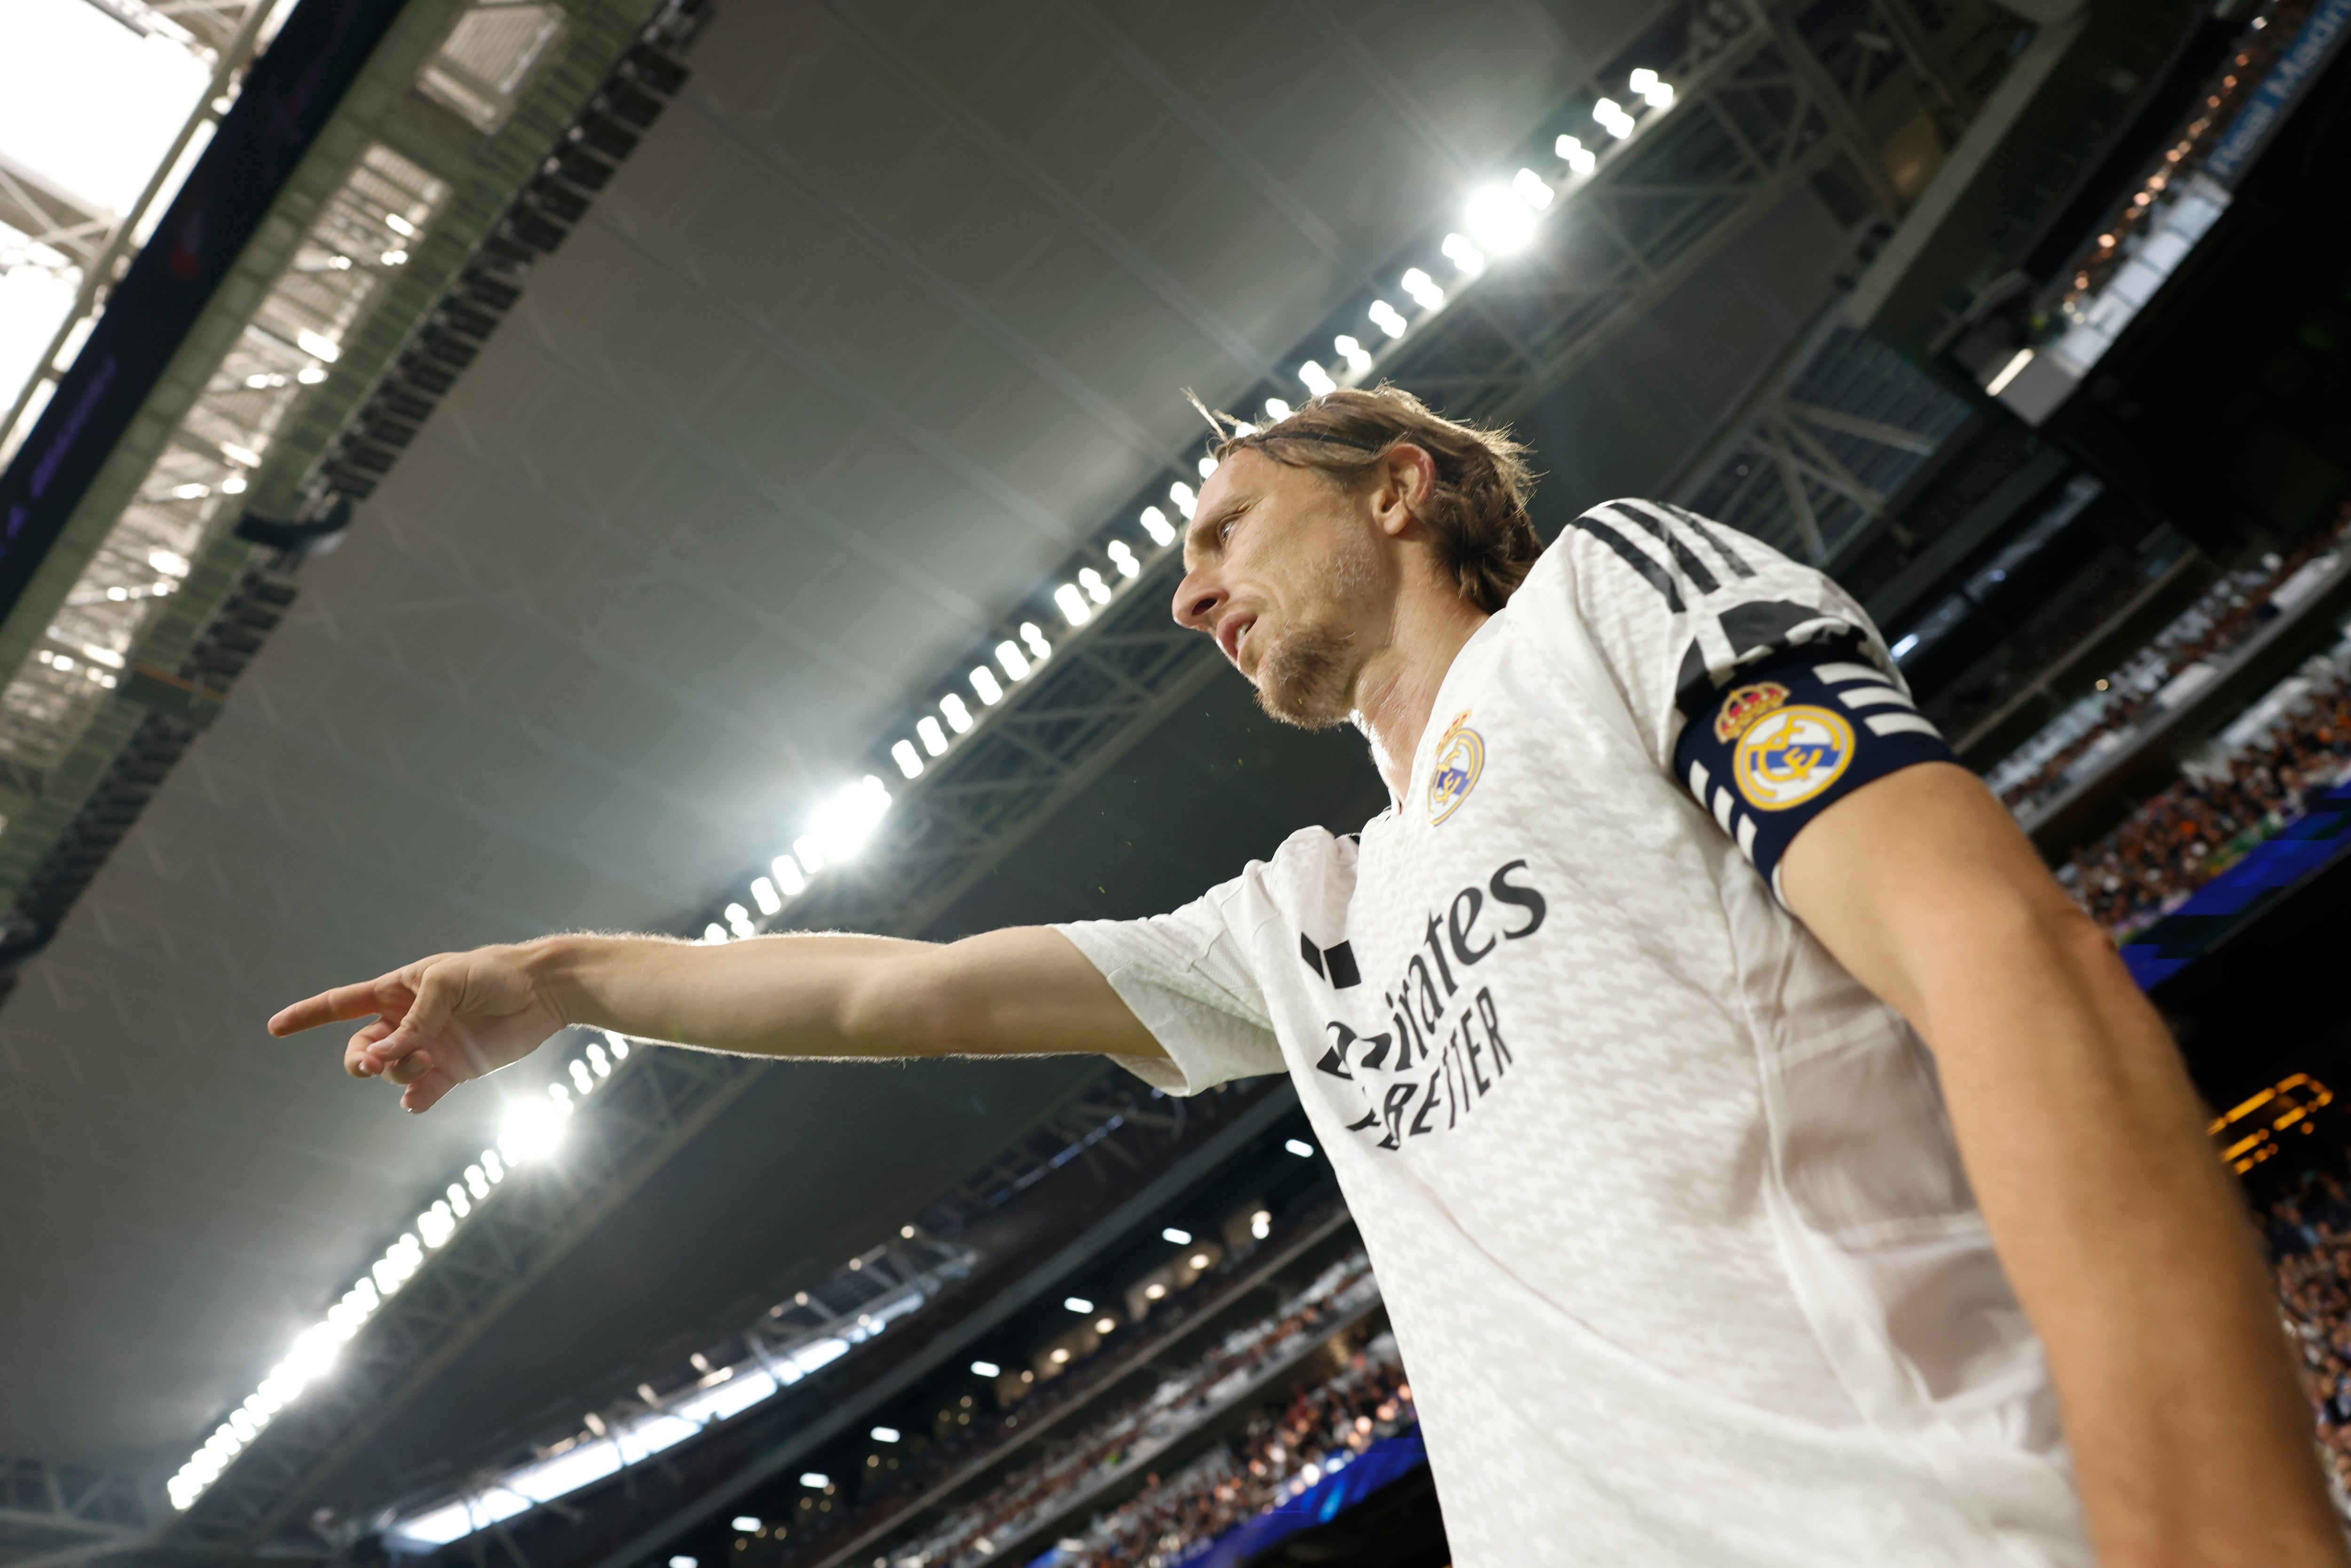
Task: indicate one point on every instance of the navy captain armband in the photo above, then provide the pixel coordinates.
(1787, 738)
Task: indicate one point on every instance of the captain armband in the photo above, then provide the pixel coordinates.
(1789, 736)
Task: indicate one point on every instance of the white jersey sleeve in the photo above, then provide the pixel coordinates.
(1676, 605)
(1184, 976)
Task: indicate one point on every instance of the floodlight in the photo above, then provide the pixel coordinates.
(1186, 501)
(1096, 589)
(747, 1523)
(1181, 1237)
(909, 760)
(1318, 380)
(1468, 258)
(983, 682)
(1014, 662)
(1079, 1305)
(763, 894)
(1207, 467)
(959, 715)
(1276, 410)
(934, 738)
(1156, 523)
(531, 1130)
(986, 1369)
(838, 827)
(1300, 1147)
(1498, 221)
(1387, 317)
(318, 348)
(886, 1434)
(789, 877)
(1531, 188)
(1121, 555)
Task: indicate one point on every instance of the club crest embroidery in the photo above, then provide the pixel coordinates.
(1744, 705)
(1790, 755)
(1460, 757)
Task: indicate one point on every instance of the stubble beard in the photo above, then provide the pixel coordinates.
(1304, 680)
(1307, 678)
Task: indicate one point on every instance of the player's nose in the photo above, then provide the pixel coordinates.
(1197, 599)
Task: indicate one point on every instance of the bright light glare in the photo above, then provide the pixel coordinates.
(1072, 604)
(1300, 1147)
(1156, 523)
(1531, 188)
(1123, 556)
(1039, 651)
(909, 760)
(958, 715)
(1498, 220)
(1905, 645)
(934, 738)
(1358, 358)
(1186, 501)
(1079, 1305)
(841, 825)
(815, 1480)
(1012, 659)
(788, 875)
(764, 894)
(1207, 467)
(747, 1523)
(1613, 118)
(310, 375)
(1316, 379)
(983, 682)
(1576, 155)
(318, 348)
(1261, 1224)
(739, 921)
(1096, 589)
(1387, 317)
(886, 1434)
(986, 1369)
(531, 1130)
(1103, 1325)
(90, 102)
(808, 853)
(1276, 410)
(1180, 1237)
(2009, 372)
(1423, 289)
(1468, 258)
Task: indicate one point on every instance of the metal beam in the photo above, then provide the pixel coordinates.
(54, 1515)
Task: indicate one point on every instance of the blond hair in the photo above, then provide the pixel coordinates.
(1476, 508)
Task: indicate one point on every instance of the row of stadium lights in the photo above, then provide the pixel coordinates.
(1261, 1226)
(1502, 218)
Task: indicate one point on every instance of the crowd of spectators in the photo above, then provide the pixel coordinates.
(2166, 671)
(2201, 826)
(1285, 1450)
(1113, 1446)
(2309, 1241)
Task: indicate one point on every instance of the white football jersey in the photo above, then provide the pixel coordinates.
(1665, 1205)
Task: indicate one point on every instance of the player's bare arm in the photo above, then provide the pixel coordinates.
(443, 1020)
(2125, 1240)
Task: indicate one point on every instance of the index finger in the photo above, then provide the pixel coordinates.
(338, 1006)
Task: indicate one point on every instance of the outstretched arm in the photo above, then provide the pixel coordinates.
(2125, 1240)
(443, 1021)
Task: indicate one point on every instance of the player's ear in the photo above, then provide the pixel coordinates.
(1406, 476)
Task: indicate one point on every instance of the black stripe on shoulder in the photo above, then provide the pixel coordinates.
(1705, 531)
(1635, 557)
(1700, 578)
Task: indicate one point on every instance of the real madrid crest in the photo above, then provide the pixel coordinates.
(1460, 757)
(1790, 755)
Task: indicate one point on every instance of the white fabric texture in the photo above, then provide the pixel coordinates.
(1665, 1207)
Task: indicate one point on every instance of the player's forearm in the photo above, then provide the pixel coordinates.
(2127, 1244)
(818, 996)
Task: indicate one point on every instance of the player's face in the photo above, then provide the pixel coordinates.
(1284, 568)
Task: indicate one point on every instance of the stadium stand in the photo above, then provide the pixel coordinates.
(1275, 1399)
(2308, 1234)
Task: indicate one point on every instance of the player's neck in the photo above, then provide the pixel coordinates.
(1397, 690)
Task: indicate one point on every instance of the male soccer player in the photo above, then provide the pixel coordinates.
(1685, 1035)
